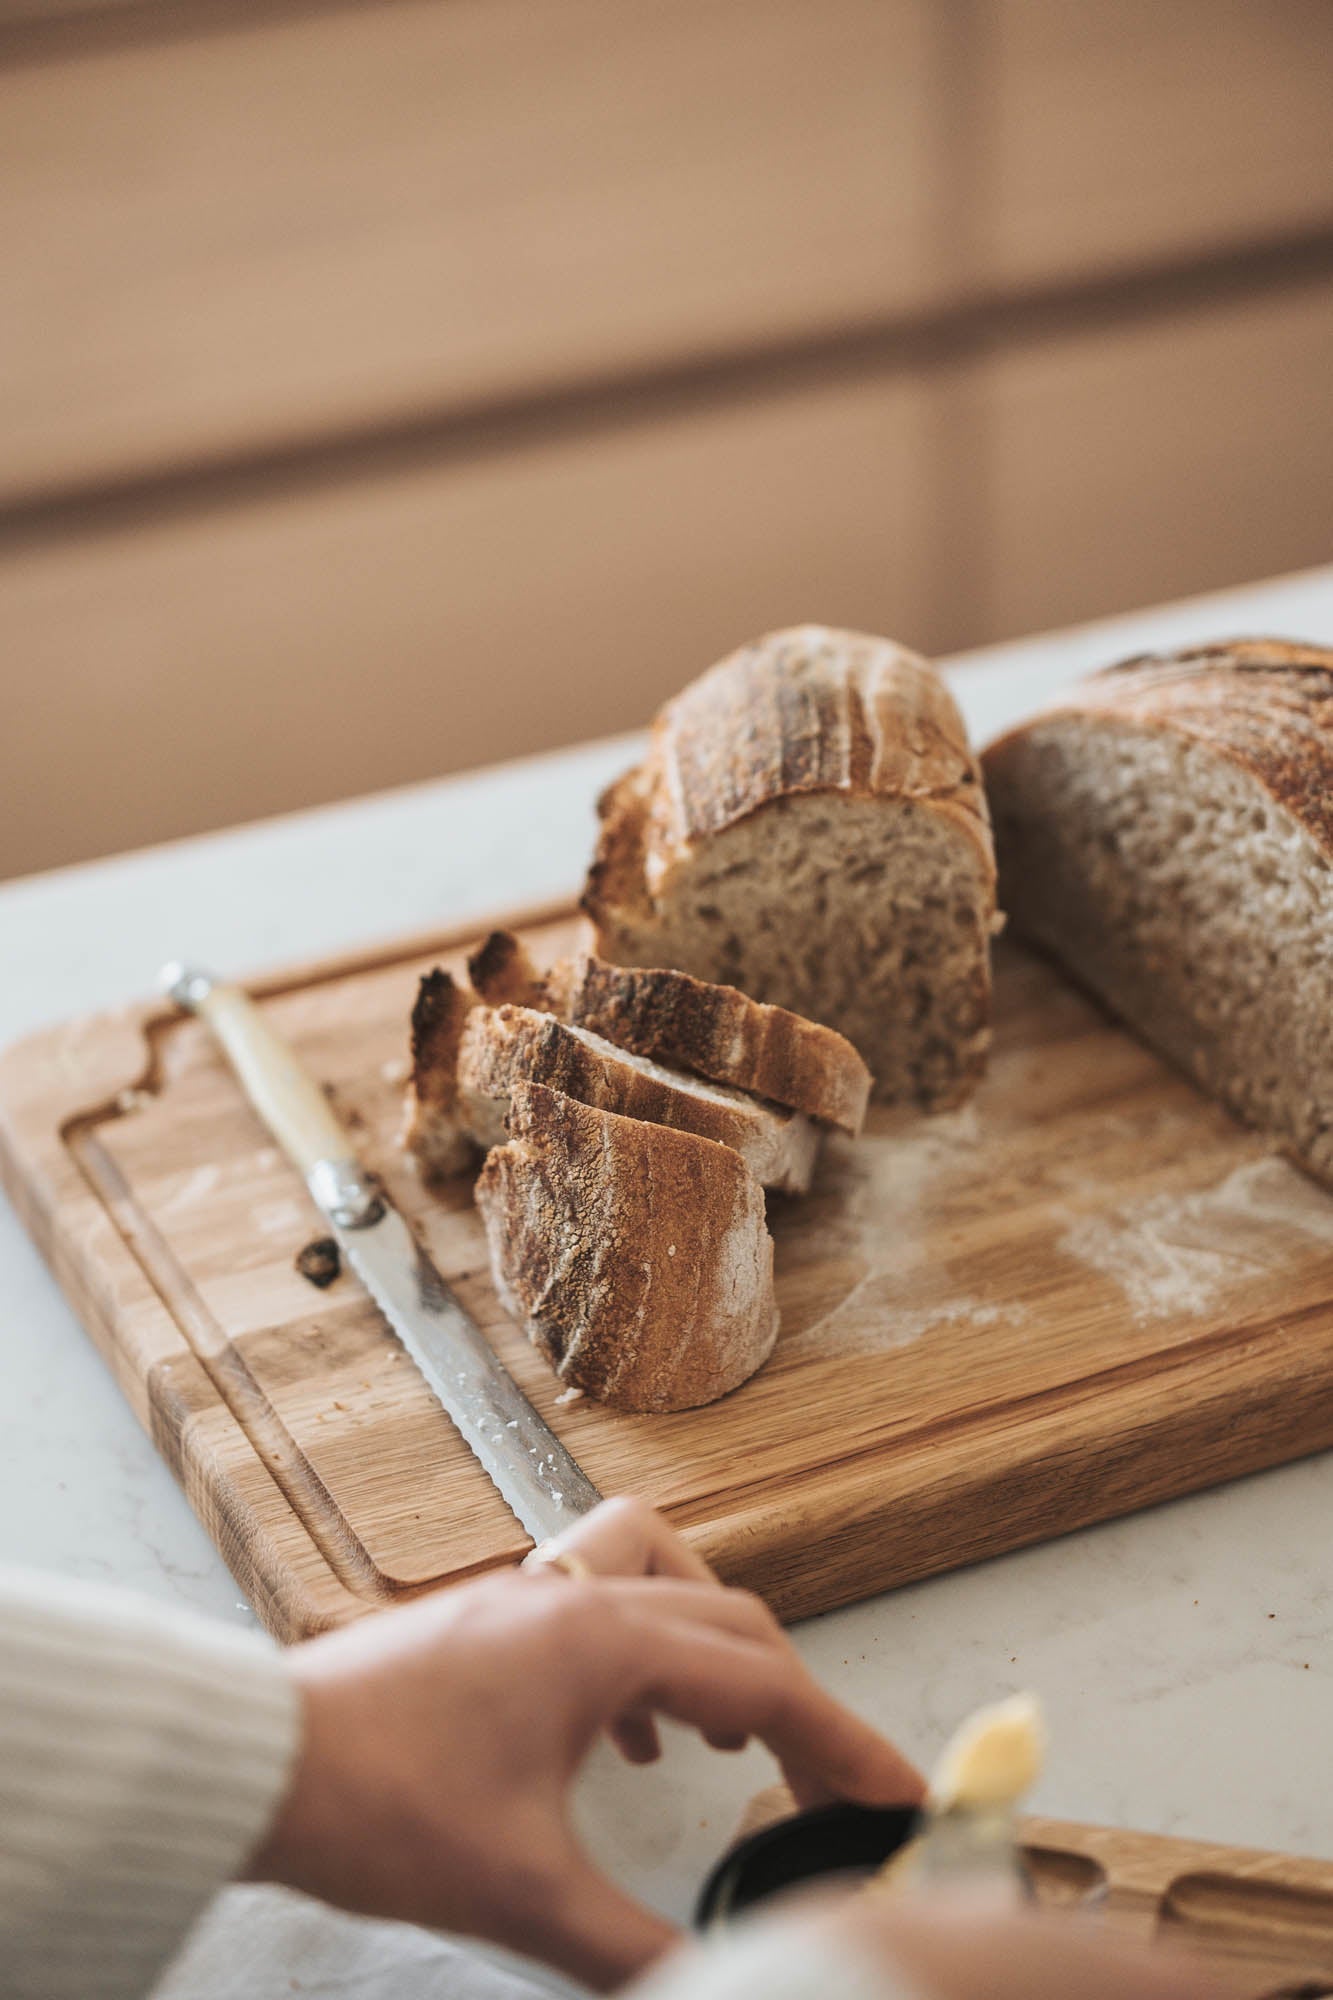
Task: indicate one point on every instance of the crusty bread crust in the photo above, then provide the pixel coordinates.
(636, 1257)
(711, 1030)
(717, 1032)
(800, 712)
(803, 710)
(432, 1130)
(506, 1046)
(1264, 704)
(501, 971)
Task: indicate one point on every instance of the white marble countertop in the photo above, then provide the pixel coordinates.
(1180, 1652)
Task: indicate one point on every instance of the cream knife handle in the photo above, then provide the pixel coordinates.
(286, 1097)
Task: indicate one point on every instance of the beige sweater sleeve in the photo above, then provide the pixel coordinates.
(142, 1754)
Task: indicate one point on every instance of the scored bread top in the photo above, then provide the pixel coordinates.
(1266, 704)
(637, 1257)
(717, 1032)
(809, 709)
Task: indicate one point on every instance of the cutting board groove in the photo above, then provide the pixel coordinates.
(1084, 1292)
(1257, 1916)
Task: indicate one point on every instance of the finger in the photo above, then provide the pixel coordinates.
(737, 1611)
(728, 1686)
(713, 1604)
(627, 1537)
(589, 1928)
(635, 1736)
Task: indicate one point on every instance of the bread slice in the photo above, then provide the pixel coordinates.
(809, 826)
(636, 1257)
(433, 1131)
(1166, 832)
(503, 1046)
(716, 1032)
(501, 971)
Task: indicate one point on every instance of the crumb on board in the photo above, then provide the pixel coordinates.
(320, 1261)
(570, 1396)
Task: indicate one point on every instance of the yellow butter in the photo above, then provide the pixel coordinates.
(988, 1764)
(992, 1760)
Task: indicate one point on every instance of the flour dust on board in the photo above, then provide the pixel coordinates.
(867, 1221)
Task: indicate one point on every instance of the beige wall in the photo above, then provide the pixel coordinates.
(396, 387)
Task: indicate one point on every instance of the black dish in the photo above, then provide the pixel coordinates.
(823, 1841)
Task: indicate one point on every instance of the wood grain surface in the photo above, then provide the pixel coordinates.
(1210, 116)
(1260, 1916)
(434, 202)
(1143, 404)
(257, 229)
(433, 614)
(1087, 1291)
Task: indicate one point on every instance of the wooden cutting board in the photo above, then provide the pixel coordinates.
(1084, 1292)
(1266, 1918)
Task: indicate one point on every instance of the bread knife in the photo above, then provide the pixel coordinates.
(537, 1478)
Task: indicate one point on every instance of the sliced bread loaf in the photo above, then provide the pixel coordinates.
(717, 1032)
(636, 1257)
(1166, 832)
(433, 1131)
(503, 1046)
(809, 826)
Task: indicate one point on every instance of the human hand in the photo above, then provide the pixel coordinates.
(441, 1740)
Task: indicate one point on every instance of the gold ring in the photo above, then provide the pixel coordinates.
(548, 1555)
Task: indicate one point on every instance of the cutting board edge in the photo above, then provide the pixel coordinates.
(1257, 1419)
(775, 1802)
(293, 1591)
(1159, 1859)
(71, 1074)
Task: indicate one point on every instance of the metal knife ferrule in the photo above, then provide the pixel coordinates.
(349, 1197)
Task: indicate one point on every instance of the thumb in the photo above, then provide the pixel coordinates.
(592, 1929)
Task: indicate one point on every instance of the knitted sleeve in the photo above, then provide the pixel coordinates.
(142, 1754)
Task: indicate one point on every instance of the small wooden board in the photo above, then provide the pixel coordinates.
(1084, 1292)
(1266, 1919)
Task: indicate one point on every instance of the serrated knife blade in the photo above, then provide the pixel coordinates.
(535, 1474)
(537, 1477)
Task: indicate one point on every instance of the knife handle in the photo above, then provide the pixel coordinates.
(285, 1095)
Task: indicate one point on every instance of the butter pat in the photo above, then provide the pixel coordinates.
(968, 1834)
(995, 1757)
